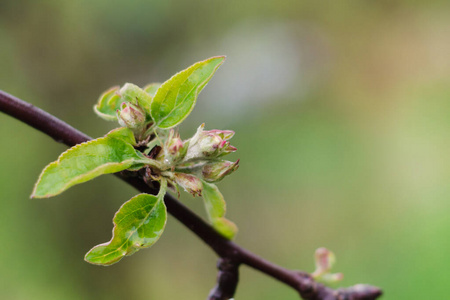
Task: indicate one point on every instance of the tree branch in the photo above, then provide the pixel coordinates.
(231, 253)
(227, 280)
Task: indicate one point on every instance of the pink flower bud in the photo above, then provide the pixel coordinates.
(210, 143)
(189, 183)
(174, 148)
(131, 116)
(325, 260)
(216, 171)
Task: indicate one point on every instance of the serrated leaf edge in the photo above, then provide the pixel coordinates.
(70, 183)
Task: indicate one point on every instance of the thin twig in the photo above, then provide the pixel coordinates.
(227, 250)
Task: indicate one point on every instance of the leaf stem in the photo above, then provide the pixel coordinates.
(153, 163)
(162, 188)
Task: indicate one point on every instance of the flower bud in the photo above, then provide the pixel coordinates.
(216, 171)
(325, 259)
(131, 116)
(210, 144)
(189, 183)
(174, 148)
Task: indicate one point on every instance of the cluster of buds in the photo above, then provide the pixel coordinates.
(198, 159)
(187, 163)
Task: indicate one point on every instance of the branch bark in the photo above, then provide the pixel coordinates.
(230, 253)
(227, 280)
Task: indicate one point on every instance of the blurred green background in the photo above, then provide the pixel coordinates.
(342, 114)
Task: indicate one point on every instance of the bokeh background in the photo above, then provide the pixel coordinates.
(342, 114)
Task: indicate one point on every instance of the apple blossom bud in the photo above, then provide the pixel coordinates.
(131, 116)
(210, 144)
(174, 148)
(325, 260)
(189, 183)
(216, 171)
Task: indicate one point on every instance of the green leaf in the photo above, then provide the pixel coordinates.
(225, 227)
(176, 97)
(152, 88)
(108, 103)
(138, 224)
(83, 162)
(216, 207)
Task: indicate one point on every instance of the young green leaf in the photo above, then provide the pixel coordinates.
(152, 88)
(138, 224)
(108, 103)
(83, 162)
(216, 207)
(176, 97)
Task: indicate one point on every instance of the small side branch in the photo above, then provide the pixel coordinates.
(309, 289)
(227, 280)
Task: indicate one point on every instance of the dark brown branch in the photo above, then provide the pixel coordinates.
(227, 280)
(227, 250)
